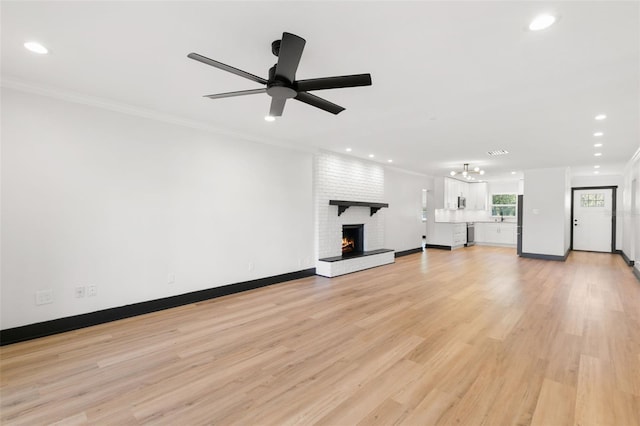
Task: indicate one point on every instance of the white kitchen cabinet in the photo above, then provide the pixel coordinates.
(448, 234)
(500, 233)
(477, 199)
(459, 234)
(479, 232)
(453, 189)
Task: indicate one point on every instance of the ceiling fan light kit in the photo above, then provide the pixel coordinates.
(282, 85)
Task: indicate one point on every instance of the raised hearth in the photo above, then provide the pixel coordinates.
(361, 254)
(340, 265)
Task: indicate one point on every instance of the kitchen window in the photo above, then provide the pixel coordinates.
(504, 205)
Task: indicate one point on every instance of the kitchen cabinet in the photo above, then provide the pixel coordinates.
(449, 190)
(448, 234)
(477, 199)
(499, 233)
(459, 234)
(453, 189)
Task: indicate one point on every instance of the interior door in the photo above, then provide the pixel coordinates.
(592, 219)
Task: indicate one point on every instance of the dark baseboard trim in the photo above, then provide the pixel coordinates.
(410, 251)
(61, 325)
(628, 261)
(545, 256)
(636, 273)
(435, 246)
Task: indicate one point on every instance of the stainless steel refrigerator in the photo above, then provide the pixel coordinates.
(519, 225)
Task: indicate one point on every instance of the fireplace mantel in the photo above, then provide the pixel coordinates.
(343, 205)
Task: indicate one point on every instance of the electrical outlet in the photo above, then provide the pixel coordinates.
(79, 292)
(251, 266)
(92, 291)
(171, 279)
(44, 297)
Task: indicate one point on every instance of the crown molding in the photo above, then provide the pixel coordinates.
(123, 108)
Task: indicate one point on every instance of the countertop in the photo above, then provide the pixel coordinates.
(479, 221)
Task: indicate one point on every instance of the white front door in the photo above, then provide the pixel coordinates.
(592, 219)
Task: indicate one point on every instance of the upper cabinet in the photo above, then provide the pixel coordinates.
(453, 189)
(448, 190)
(477, 199)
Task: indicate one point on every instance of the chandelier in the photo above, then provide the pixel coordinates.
(466, 173)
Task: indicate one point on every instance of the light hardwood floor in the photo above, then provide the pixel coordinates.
(476, 336)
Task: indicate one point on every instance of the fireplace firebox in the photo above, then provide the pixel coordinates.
(352, 239)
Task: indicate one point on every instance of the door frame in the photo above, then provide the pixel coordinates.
(614, 190)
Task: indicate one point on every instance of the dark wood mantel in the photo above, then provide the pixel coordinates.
(343, 205)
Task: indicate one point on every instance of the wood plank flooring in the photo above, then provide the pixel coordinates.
(476, 336)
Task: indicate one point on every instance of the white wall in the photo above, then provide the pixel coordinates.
(630, 214)
(610, 180)
(403, 220)
(502, 187)
(95, 197)
(545, 215)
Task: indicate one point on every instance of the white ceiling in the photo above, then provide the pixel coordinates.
(451, 80)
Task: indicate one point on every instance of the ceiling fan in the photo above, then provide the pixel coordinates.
(282, 83)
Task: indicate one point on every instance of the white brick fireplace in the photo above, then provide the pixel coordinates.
(342, 178)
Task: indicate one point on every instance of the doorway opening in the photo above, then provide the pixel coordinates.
(593, 218)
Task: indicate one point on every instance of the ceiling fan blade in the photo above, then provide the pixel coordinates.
(334, 82)
(277, 106)
(238, 93)
(291, 48)
(226, 67)
(318, 102)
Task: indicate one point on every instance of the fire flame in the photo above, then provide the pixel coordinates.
(348, 244)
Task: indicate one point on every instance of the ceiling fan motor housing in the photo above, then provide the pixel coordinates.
(279, 87)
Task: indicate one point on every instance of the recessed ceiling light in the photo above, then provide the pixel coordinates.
(542, 22)
(596, 167)
(452, 173)
(269, 118)
(498, 152)
(348, 149)
(476, 169)
(371, 155)
(600, 117)
(389, 161)
(36, 47)
(597, 145)
(481, 172)
(513, 173)
(597, 154)
(596, 172)
(598, 134)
